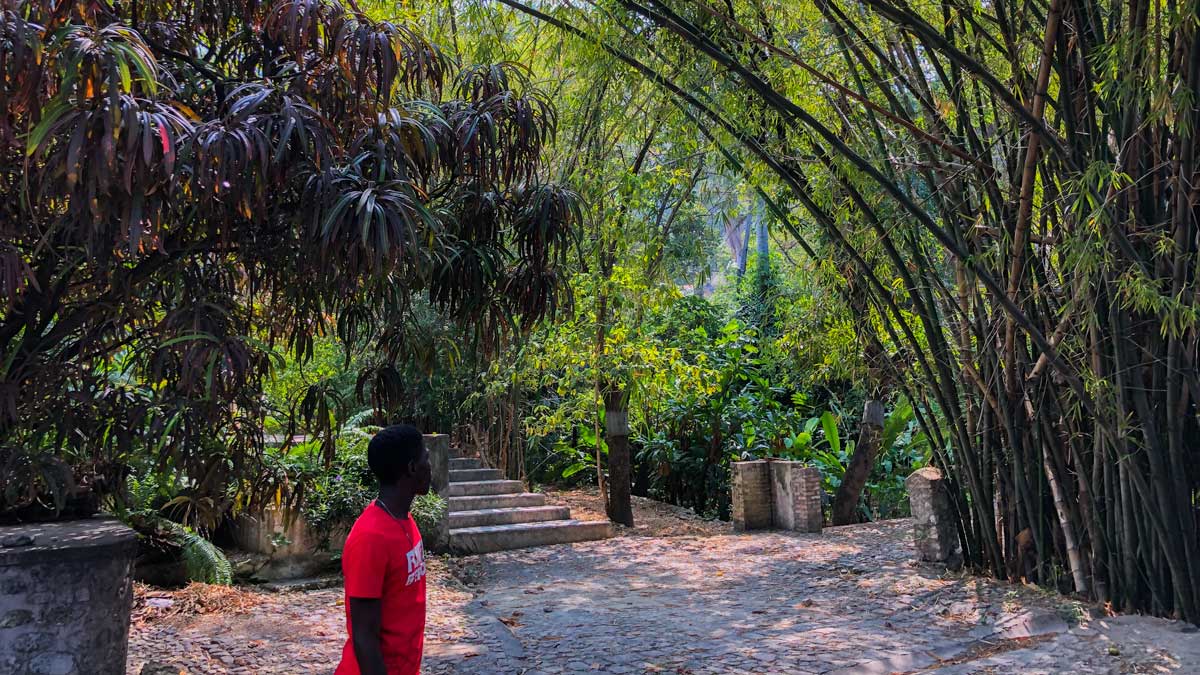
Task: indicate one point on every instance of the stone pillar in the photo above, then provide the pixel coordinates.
(438, 446)
(933, 517)
(65, 596)
(751, 495)
(796, 490)
(439, 458)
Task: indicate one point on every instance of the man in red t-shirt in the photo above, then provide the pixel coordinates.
(384, 563)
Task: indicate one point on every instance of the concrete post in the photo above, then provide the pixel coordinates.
(751, 495)
(65, 597)
(438, 446)
(933, 514)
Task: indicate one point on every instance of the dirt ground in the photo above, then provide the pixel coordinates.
(650, 518)
(214, 630)
(677, 594)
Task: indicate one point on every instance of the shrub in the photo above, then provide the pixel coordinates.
(427, 510)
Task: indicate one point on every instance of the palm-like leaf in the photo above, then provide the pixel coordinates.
(375, 226)
(201, 183)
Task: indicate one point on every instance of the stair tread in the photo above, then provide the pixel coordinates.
(479, 488)
(511, 494)
(519, 509)
(487, 500)
(495, 474)
(544, 525)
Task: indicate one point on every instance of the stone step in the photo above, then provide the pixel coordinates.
(511, 516)
(461, 463)
(485, 487)
(471, 475)
(482, 502)
(489, 538)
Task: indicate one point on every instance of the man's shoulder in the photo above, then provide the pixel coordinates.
(366, 526)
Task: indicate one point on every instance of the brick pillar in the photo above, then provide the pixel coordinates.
(933, 515)
(796, 490)
(751, 495)
(438, 446)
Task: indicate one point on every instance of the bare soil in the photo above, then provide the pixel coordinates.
(650, 518)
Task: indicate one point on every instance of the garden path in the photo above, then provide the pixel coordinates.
(850, 600)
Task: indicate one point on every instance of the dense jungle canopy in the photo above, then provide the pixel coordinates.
(629, 241)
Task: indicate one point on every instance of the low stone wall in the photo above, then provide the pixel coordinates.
(438, 446)
(65, 597)
(283, 533)
(291, 547)
(774, 493)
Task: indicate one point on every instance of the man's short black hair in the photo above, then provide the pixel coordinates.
(391, 451)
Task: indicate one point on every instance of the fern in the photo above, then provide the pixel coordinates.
(355, 421)
(205, 562)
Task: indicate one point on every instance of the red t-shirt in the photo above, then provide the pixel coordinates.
(384, 558)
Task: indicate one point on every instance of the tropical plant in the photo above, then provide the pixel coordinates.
(198, 189)
(205, 562)
(148, 503)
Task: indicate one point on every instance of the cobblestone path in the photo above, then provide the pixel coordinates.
(847, 601)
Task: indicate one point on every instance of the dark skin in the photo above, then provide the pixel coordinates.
(366, 614)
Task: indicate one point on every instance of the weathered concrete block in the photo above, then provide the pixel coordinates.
(752, 499)
(438, 446)
(934, 533)
(43, 626)
(796, 488)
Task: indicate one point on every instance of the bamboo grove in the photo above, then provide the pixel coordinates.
(1009, 191)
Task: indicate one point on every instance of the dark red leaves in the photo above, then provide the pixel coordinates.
(233, 179)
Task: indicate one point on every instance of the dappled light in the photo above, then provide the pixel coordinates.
(625, 336)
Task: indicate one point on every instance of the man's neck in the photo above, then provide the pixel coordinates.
(397, 501)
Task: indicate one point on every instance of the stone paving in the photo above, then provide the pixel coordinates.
(850, 600)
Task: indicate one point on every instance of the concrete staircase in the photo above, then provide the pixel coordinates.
(488, 513)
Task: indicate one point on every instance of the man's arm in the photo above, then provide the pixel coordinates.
(366, 619)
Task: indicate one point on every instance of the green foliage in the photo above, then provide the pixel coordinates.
(150, 500)
(337, 494)
(703, 394)
(904, 448)
(428, 510)
(200, 197)
(331, 496)
(205, 562)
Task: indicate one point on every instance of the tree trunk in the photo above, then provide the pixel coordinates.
(616, 432)
(845, 503)
(744, 251)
